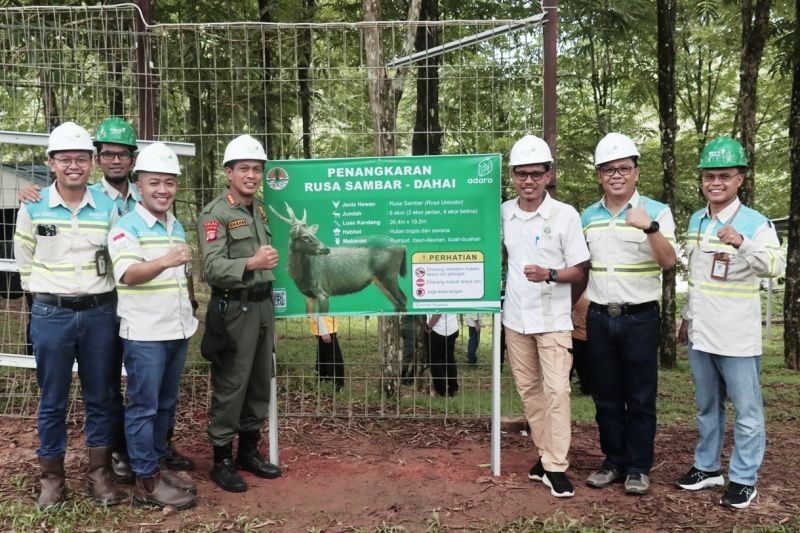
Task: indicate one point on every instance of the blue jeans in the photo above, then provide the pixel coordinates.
(472, 345)
(622, 363)
(154, 374)
(60, 336)
(715, 378)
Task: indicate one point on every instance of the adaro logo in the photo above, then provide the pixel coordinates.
(277, 178)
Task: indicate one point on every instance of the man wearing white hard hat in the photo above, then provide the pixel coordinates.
(240, 323)
(116, 147)
(60, 249)
(631, 239)
(546, 253)
(150, 255)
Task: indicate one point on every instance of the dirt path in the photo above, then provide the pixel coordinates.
(341, 475)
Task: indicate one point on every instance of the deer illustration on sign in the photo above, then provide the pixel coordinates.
(320, 271)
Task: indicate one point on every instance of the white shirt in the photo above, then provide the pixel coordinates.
(550, 237)
(446, 325)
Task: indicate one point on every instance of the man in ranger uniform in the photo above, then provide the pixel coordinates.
(631, 239)
(60, 249)
(730, 247)
(239, 336)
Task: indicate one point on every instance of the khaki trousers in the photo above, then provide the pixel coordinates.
(541, 365)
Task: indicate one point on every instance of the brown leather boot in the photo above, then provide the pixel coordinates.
(98, 480)
(52, 478)
(154, 492)
(174, 480)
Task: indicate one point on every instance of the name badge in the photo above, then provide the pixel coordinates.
(100, 263)
(719, 267)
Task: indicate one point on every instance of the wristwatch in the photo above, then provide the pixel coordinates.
(654, 227)
(553, 276)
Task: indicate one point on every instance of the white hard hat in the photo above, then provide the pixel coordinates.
(529, 150)
(157, 157)
(69, 136)
(244, 147)
(612, 147)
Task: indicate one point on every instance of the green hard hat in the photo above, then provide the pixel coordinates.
(117, 131)
(723, 152)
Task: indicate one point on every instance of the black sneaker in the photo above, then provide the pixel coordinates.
(738, 496)
(560, 485)
(696, 479)
(537, 472)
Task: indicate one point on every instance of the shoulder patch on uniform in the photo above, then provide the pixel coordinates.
(211, 228)
(262, 213)
(238, 223)
(231, 200)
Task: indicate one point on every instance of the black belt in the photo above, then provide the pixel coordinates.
(256, 294)
(76, 303)
(615, 310)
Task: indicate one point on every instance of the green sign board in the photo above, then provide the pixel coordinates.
(385, 235)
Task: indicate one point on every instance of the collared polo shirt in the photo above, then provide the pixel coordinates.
(159, 309)
(623, 269)
(57, 249)
(550, 237)
(125, 204)
(725, 314)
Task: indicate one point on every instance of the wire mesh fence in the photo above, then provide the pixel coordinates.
(299, 88)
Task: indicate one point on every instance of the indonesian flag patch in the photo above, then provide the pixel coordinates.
(211, 228)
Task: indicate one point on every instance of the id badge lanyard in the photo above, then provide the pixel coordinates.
(721, 260)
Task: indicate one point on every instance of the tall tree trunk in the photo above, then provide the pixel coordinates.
(384, 96)
(201, 118)
(304, 77)
(668, 123)
(755, 29)
(427, 138)
(791, 298)
(116, 101)
(265, 106)
(49, 100)
(145, 79)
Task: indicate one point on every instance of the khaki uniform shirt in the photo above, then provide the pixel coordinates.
(229, 235)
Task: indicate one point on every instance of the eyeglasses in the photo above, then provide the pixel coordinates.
(110, 156)
(724, 178)
(522, 177)
(610, 171)
(67, 162)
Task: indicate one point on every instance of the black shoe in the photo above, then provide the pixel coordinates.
(121, 469)
(560, 485)
(738, 496)
(537, 472)
(252, 461)
(176, 461)
(227, 477)
(696, 479)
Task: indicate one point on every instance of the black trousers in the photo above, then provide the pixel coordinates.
(330, 362)
(622, 360)
(443, 363)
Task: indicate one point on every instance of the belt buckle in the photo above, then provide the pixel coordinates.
(614, 310)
